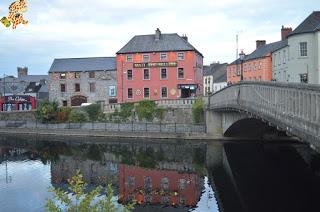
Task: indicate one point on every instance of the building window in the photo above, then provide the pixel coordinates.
(180, 55)
(303, 49)
(164, 92)
(146, 74)
(130, 93)
(77, 75)
(284, 57)
(129, 74)
(92, 87)
(205, 81)
(77, 87)
(112, 90)
(146, 92)
(63, 76)
(145, 57)
(91, 75)
(279, 60)
(180, 73)
(63, 87)
(304, 78)
(129, 58)
(64, 103)
(274, 60)
(163, 56)
(260, 65)
(163, 73)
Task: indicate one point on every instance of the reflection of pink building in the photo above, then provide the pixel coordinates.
(158, 186)
(158, 66)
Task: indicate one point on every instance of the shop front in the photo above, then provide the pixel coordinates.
(187, 90)
(17, 103)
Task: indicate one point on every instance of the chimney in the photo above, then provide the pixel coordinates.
(22, 71)
(260, 43)
(285, 32)
(185, 37)
(157, 34)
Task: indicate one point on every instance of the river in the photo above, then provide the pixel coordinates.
(165, 175)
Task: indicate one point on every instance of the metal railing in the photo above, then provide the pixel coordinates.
(175, 128)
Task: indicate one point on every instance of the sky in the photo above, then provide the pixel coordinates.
(94, 28)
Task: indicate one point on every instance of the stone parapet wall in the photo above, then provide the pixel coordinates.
(18, 115)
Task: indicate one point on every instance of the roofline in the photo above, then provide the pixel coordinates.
(82, 58)
(161, 51)
(300, 33)
(81, 71)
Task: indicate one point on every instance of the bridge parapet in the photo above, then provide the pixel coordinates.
(291, 106)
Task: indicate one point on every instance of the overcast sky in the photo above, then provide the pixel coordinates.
(89, 28)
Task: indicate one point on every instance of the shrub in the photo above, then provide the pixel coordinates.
(146, 110)
(93, 111)
(159, 113)
(197, 110)
(83, 202)
(78, 116)
(126, 110)
(63, 114)
(47, 111)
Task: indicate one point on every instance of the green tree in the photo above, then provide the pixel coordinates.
(94, 111)
(82, 202)
(197, 110)
(146, 110)
(78, 116)
(47, 111)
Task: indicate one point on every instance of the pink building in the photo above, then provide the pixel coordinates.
(158, 66)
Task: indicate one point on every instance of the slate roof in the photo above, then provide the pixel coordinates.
(310, 24)
(33, 78)
(263, 51)
(148, 43)
(33, 87)
(83, 64)
(218, 71)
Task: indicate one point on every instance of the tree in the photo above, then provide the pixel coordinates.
(82, 202)
(94, 111)
(47, 111)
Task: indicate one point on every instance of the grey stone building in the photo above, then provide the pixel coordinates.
(73, 81)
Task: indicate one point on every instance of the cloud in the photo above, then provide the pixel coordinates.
(82, 28)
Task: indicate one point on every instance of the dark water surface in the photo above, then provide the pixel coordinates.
(165, 175)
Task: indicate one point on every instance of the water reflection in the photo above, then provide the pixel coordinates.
(163, 175)
(166, 176)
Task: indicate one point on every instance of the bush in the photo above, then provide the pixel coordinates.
(63, 114)
(126, 110)
(197, 111)
(83, 202)
(93, 111)
(47, 111)
(146, 110)
(78, 116)
(159, 113)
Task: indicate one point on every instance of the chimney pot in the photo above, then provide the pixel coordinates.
(285, 31)
(157, 34)
(260, 43)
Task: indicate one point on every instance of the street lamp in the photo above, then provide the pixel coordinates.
(241, 55)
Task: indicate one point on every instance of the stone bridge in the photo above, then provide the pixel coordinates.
(291, 107)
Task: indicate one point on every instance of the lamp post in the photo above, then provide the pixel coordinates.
(241, 55)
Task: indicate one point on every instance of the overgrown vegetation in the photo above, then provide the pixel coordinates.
(93, 111)
(78, 116)
(81, 201)
(47, 111)
(197, 111)
(146, 110)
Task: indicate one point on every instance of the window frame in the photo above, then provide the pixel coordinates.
(77, 75)
(131, 93)
(128, 74)
(92, 75)
(64, 86)
(63, 75)
(301, 51)
(178, 73)
(178, 56)
(92, 87)
(75, 87)
(129, 58)
(110, 88)
(146, 69)
(144, 93)
(147, 55)
(161, 74)
(165, 58)
(164, 97)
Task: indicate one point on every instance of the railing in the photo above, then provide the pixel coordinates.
(293, 107)
(175, 128)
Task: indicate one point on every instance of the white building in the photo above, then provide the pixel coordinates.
(299, 58)
(214, 78)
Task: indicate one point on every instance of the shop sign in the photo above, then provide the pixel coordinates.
(155, 65)
(188, 86)
(17, 98)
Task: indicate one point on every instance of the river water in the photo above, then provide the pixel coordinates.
(163, 175)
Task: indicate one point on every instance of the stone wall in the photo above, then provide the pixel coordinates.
(18, 115)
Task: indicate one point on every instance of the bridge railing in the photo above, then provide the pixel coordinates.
(292, 106)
